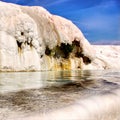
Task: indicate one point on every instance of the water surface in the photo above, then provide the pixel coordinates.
(29, 93)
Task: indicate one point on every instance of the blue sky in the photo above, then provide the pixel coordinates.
(99, 20)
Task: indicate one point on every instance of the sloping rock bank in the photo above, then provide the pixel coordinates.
(107, 57)
(32, 39)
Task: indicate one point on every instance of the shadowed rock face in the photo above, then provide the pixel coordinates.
(33, 39)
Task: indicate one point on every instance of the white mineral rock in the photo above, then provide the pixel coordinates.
(32, 39)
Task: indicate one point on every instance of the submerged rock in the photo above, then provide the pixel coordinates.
(32, 39)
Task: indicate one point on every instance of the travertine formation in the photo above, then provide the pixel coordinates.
(32, 39)
(107, 57)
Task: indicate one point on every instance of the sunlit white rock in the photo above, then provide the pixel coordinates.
(31, 36)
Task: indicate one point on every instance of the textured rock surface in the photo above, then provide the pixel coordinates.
(32, 39)
(107, 57)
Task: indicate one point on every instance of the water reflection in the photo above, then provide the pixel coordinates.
(40, 92)
(26, 80)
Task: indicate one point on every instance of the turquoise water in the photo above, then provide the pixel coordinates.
(15, 81)
(26, 93)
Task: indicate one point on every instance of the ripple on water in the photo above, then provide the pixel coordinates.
(49, 91)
